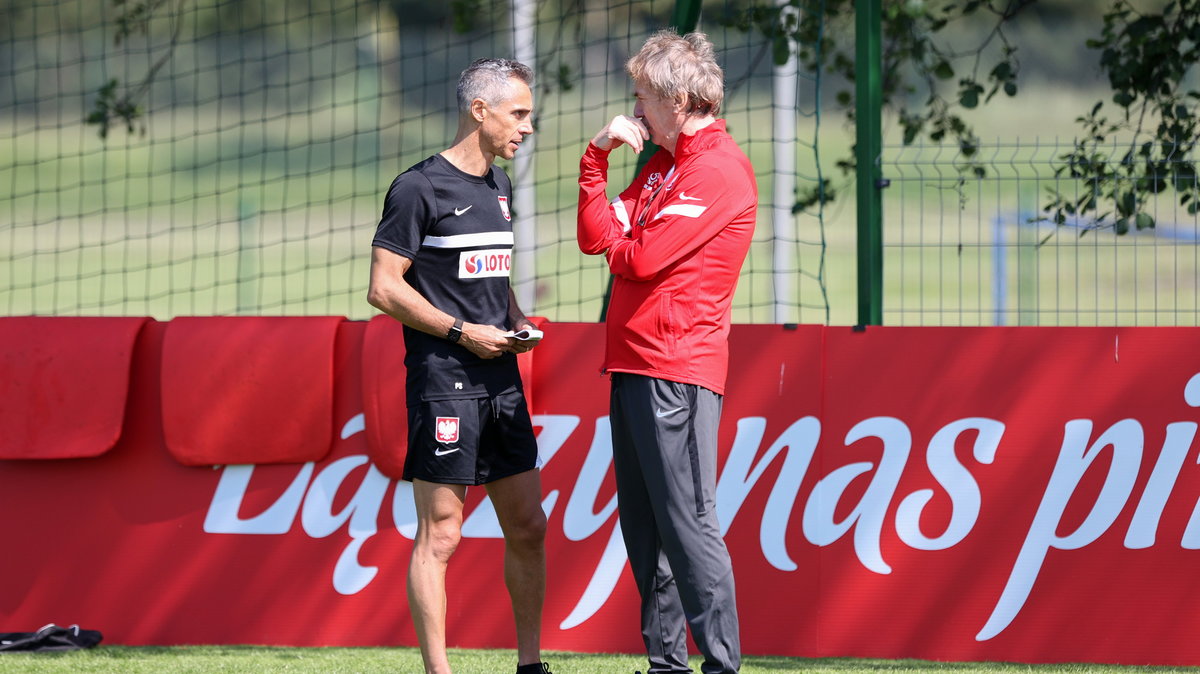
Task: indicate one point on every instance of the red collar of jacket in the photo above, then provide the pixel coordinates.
(700, 141)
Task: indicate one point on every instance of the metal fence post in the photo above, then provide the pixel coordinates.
(868, 149)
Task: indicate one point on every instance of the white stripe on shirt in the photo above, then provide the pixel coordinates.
(469, 240)
(622, 214)
(686, 210)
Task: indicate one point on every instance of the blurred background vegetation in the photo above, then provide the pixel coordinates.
(172, 157)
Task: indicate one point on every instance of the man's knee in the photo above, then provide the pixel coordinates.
(529, 530)
(440, 541)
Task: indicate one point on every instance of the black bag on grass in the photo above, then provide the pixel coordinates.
(49, 638)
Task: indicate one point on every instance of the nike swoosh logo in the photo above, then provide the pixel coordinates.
(660, 413)
(460, 211)
(684, 197)
(438, 452)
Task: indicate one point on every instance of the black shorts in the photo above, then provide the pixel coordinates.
(471, 441)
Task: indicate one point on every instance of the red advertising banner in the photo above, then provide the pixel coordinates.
(1015, 494)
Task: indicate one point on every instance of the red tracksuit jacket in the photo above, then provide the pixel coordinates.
(675, 241)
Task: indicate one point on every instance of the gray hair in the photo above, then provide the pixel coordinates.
(488, 79)
(671, 65)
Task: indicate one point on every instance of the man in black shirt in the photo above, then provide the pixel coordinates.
(440, 265)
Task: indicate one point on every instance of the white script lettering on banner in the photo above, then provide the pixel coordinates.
(1076, 454)
(311, 492)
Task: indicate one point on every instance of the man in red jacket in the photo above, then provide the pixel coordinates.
(675, 240)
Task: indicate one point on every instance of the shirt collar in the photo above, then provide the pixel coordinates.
(701, 140)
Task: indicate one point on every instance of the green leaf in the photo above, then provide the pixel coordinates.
(969, 98)
(1144, 221)
(943, 71)
(1121, 227)
(1010, 88)
(1127, 205)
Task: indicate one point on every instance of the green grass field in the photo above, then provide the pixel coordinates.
(264, 660)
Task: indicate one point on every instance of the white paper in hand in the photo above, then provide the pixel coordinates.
(526, 335)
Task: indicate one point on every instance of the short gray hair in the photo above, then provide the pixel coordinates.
(670, 65)
(488, 79)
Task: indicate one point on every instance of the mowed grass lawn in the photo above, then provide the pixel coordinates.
(263, 660)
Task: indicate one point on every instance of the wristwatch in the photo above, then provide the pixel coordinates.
(455, 332)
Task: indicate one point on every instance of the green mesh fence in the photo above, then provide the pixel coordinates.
(238, 152)
(261, 135)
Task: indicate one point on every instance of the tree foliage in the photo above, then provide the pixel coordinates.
(920, 63)
(927, 84)
(134, 18)
(1147, 58)
(118, 103)
(929, 81)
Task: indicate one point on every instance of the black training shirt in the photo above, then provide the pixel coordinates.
(457, 230)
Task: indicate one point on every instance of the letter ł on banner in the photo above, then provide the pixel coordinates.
(1126, 439)
(603, 581)
(581, 519)
(868, 516)
(556, 429)
(958, 482)
(737, 479)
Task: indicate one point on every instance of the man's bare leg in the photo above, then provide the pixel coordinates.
(517, 500)
(439, 528)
